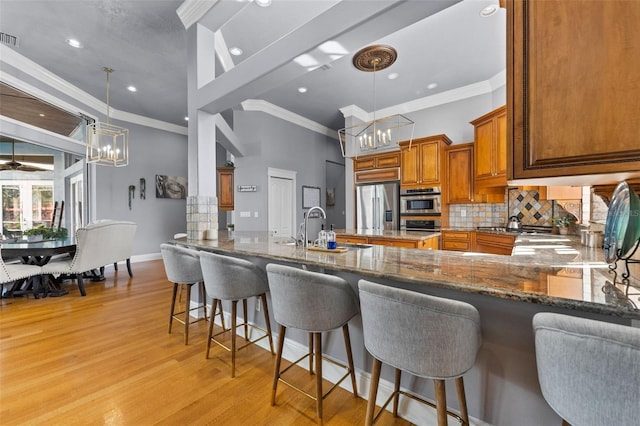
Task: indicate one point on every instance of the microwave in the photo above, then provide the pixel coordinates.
(420, 202)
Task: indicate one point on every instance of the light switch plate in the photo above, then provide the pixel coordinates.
(245, 214)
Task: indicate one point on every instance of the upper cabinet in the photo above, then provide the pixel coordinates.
(421, 164)
(490, 136)
(458, 185)
(377, 167)
(573, 70)
(225, 188)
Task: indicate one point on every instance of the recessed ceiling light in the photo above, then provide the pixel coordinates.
(489, 10)
(432, 86)
(132, 88)
(263, 3)
(393, 76)
(235, 51)
(302, 89)
(42, 115)
(74, 43)
(186, 119)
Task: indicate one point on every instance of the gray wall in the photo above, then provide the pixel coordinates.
(151, 152)
(272, 142)
(453, 118)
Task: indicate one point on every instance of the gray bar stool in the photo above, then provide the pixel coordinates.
(589, 370)
(230, 278)
(315, 303)
(427, 336)
(182, 266)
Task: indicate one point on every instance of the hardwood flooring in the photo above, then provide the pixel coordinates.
(107, 359)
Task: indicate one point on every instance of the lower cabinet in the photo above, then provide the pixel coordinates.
(424, 244)
(457, 240)
(494, 243)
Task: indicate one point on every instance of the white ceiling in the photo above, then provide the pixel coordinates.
(145, 42)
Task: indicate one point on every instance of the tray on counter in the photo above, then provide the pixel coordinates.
(326, 250)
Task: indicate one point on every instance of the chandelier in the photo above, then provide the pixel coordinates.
(107, 144)
(381, 132)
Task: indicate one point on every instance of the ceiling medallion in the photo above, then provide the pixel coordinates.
(375, 58)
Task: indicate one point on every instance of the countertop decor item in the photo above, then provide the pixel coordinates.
(622, 229)
(378, 132)
(107, 144)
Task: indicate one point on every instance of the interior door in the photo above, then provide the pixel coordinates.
(281, 208)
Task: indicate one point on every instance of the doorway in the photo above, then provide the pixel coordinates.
(282, 201)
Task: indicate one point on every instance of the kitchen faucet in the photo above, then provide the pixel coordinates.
(305, 241)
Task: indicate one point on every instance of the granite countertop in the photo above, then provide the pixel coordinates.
(554, 270)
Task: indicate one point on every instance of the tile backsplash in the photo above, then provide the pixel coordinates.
(526, 205)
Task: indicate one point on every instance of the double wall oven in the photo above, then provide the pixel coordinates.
(420, 209)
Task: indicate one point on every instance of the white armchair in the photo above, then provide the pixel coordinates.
(97, 245)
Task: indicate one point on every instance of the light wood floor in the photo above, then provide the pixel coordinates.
(107, 359)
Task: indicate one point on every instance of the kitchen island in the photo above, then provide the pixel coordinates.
(545, 273)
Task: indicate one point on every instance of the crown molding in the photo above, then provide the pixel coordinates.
(191, 11)
(27, 66)
(292, 117)
(460, 93)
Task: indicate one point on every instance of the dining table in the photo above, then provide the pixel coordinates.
(37, 253)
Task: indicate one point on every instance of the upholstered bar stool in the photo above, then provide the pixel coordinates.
(315, 303)
(427, 336)
(230, 278)
(589, 370)
(182, 266)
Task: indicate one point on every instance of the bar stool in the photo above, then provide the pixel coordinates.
(182, 266)
(230, 278)
(588, 370)
(315, 303)
(427, 336)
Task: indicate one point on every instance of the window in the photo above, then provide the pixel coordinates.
(26, 204)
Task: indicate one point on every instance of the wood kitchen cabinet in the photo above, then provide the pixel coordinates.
(573, 95)
(494, 243)
(423, 244)
(225, 188)
(420, 165)
(490, 150)
(377, 161)
(458, 183)
(457, 240)
(377, 167)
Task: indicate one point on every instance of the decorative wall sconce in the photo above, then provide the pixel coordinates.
(132, 193)
(143, 189)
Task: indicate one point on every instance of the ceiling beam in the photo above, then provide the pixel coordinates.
(353, 24)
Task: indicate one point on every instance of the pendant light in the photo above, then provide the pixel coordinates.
(379, 132)
(107, 144)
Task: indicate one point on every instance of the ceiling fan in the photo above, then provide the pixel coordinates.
(14, 165)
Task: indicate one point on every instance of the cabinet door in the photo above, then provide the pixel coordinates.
(225, 189)
(429, 164)
(484, 150)
(364, 163)
(459, 178)
(500, 153)
(410, 166)
(572, 111)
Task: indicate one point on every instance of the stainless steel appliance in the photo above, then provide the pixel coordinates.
(420, 201)
(377, 206)
(420, 225)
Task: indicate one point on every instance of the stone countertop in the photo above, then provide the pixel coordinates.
(546, 269)
(400, 235)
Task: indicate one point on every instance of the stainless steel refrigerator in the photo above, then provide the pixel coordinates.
(378, 206)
